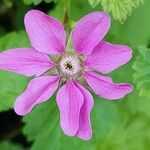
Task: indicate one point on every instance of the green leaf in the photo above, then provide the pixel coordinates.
(134, 32)
(94, 3)
(131, 134)
(28, 2)
(49, 1)
(5, 145)
(37, 2)
(11, 84)
(58, 11)
(47, 133)
(142, 71)
(8, 3)
(119, 8)
(136, 104)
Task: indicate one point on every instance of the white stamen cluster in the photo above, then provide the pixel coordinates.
(70, 65)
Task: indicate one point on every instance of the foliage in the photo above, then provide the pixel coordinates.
(36, 2)
(94, 3)
(119, 8)
(129, 135)
(5, 145)
(11, 84)
(47, 116)
(142, 71)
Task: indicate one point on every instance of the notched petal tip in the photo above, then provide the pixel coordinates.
(85, 127)
(126, 89)
(107, 57)
(129, 87)
(106, 88)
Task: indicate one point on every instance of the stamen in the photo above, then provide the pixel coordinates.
(70, 65)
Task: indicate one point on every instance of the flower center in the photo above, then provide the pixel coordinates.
(70, 65)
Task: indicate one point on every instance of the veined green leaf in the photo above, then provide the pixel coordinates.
(47, 133)
(131, 134)
(28, 2)
(11, 84)
(37, 2)
(119, 8)
(94, 3)
(142, 72)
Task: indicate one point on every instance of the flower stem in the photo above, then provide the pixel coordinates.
(66, 19)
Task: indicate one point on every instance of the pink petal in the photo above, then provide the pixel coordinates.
(39, 90)
(104, 87)
(26, 61)
(89, 31)
(85, 129)
(69, 100)
(107, 57)
(46, 33)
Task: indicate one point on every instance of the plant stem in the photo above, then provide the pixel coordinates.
(66, 19)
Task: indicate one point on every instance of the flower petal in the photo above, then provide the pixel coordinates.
(104, 87)
(69, 100)
(26, 61)
(89, 31)
(107, 57)
(46, 33)
(39, 90)
(85, 129)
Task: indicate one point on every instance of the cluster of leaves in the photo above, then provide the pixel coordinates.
(37, 2)
(119, 8)
(142, 71)
(11, 84)
(48, 134)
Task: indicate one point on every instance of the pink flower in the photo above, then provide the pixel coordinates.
(72, 70)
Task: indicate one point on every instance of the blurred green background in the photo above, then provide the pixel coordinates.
(117, 125)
